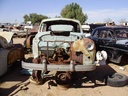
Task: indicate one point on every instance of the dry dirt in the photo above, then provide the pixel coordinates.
(15, 84)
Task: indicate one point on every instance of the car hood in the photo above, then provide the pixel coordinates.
(7, 35)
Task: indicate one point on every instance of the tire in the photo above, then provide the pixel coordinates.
(117, 80)
(63, 78)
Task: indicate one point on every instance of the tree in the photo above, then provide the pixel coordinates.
(26, 18)
(74, 11)
(34, 18)
(57, 16)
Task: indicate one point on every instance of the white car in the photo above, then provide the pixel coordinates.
(9, 53)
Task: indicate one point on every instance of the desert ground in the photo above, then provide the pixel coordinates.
(13, 83)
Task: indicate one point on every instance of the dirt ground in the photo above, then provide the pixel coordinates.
(16, 84)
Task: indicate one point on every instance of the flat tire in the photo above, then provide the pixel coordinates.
(117, 80)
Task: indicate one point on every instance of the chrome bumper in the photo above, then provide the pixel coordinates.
(59, 67)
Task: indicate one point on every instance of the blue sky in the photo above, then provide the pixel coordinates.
(97, 10)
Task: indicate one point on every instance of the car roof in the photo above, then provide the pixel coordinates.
(112, 27)
(57, 19)
(109, 27)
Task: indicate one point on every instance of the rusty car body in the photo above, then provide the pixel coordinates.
(9, 52)
(29, 38)
(64, 47)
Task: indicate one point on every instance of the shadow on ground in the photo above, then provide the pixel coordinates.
(90, 79)
(93, 78)
(80, 79)
(14, 76)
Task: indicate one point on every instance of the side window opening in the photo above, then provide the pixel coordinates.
(96, 34)
(121, 33)
(106, 34)
(109, 35)
(42, 28)
(102, 34)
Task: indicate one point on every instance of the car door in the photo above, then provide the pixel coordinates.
(108, 40)
(95, 36)
(103, 40)
(122, 40)
(111, 48)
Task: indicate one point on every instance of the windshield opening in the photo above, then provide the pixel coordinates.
(65, 25)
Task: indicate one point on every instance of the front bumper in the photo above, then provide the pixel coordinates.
(58, 67)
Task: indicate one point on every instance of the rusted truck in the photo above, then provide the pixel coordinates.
(65, 47)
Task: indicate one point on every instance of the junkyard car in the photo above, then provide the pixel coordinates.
(88, 28)
(9, 52)
(112, 39)
(28, 42)
(30, 34)
(65, 46)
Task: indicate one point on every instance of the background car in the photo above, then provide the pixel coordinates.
(29, 37)
(112, 39)
(9, 52)
(88, 28)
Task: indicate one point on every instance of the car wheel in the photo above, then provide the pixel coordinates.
(117, 80)
(63, 78)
